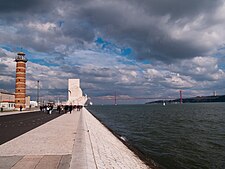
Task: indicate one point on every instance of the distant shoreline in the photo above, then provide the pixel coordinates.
(197, 99)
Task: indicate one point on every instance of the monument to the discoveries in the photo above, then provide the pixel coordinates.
(75, 94)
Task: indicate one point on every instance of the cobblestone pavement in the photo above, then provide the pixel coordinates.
(35, 162)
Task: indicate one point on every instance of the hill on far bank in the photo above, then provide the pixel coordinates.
(198, 99)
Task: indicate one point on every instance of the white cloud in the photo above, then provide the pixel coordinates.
(43, 27)
(154, 74)
(202, 68)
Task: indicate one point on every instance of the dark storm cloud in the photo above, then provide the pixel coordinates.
(11, 6)
(78, 30)
(177, 8)
(138, 25)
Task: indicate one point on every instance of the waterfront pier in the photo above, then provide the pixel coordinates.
(71, 141)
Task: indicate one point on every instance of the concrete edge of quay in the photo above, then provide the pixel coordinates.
(101, 148)
(138, 153)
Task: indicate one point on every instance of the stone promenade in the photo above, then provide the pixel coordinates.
(71, 141)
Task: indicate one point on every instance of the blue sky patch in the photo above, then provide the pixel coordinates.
(112, 48)
(6, 47)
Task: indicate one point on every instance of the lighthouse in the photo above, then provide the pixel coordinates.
(20, 91)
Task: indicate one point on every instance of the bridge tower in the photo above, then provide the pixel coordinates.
(115, 99)
(20, 91)
(181, 99)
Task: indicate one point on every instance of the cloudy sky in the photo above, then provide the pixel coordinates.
(136, 48)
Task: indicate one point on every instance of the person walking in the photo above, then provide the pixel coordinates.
(66, 108)
(70, 108)
(41, 108)
(59, 108)
(48, 109)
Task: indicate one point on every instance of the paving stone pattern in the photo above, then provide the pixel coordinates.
(71, 141)
(35, 162)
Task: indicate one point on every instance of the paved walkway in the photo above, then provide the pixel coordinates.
(71, 141)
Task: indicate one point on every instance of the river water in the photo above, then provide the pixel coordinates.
(186, 136)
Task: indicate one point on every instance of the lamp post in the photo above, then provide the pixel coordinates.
(38, 93)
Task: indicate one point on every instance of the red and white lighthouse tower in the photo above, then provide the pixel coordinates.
(20, 92)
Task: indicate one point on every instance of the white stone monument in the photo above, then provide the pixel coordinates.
(75, 94)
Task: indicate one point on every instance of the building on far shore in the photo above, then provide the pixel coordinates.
(7, 101)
